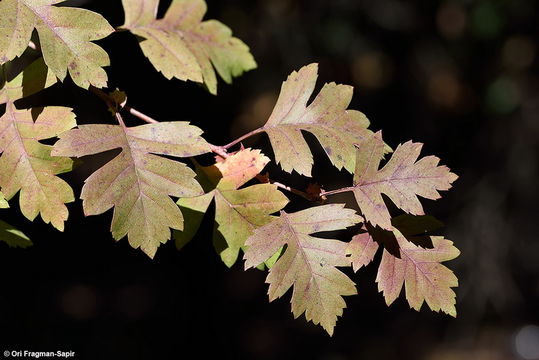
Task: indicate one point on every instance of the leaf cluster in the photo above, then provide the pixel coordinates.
(154, 192)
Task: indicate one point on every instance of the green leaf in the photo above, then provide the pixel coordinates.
(327, 117)
(31, 80)
(422, 273)
(27, 164)
(237, 212)
(402, 179)
(65, 34)
(193, 210)
(138, 183)
(13, 237)
(183, 46)
(308, 263)
(240, 212)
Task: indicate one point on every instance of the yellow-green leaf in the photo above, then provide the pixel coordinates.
(240, 212)
(137, 183)
(183, 46)
(309, 264)
(65, 34)
(327, 117)
(27, 165)
(35, 77)
(3, 202)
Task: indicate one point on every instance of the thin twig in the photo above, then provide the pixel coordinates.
(303, 194)
(241, 138)
(337, 191)
(140, 115)
(219, 151)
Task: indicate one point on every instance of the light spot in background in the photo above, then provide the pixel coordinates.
(338, 35)
(503, 95)
(444, 88)
(519, 52)
(451, 19)
(133, 301)
(487, 20)
(527, 342)
(391, 14)
(79, 302)
(372, 70)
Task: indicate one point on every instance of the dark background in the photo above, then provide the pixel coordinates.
(459, 76)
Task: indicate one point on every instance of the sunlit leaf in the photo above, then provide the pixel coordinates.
(327, 117)
(183, 46)
(361, 249)
(309, 264)
(65, 34)
(402, 179)
(27, 165)
(422, 273)
(137, 183)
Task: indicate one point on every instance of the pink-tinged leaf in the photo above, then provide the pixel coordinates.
(137, 183)
(183, 46)
(27, 165)
(65, 34)
(402, 179)
(309, 264)
(242, 166)
(336, 128)
(422, 273)
(361, 249)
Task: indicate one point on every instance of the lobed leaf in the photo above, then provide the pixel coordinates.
(137, 183)
(402, 179)
(336, 128)
(422, 273)
(65, 34)
(309, 264)
(238, 212)
(28, 166)
(183, 46)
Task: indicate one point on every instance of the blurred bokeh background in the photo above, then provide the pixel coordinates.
(460, 76)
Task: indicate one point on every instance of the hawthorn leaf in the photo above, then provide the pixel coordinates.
(422, 273)
(402, 179)
(309, 264)
(240, 212)
(32, 79)
(327, 118)
(28, 166)
(13, 237)
(183, 46)
(138, 183)
(3, 202)
(242, 166)
(65, 34)
(361, 249)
